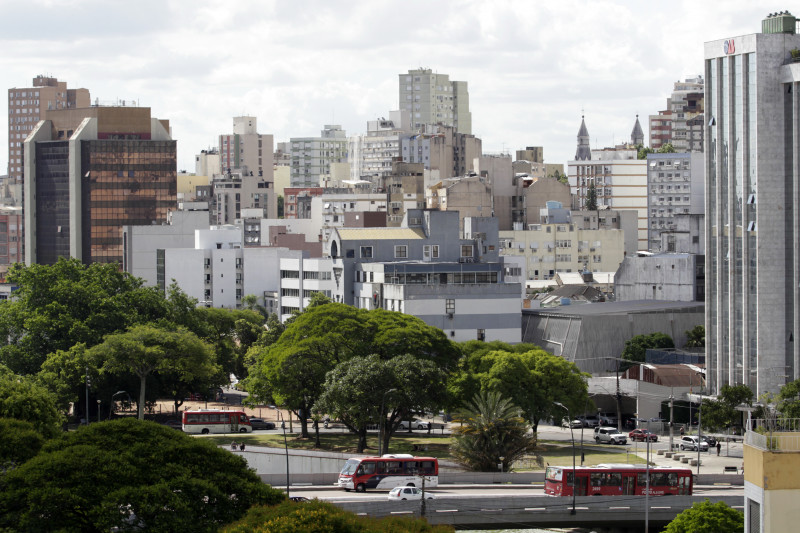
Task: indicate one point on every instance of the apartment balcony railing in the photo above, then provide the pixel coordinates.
(774, 435)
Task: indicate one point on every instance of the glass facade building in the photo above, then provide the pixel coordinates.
(751, 190)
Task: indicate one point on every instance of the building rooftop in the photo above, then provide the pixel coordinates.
(352, 234)
(611, 308)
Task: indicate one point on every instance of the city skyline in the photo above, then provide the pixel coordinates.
(530, 76)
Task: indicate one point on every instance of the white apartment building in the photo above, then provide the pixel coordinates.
(300, 278)
(312, 157)
(432, 98)
(371, 155)
(675, 186)
(681, 123)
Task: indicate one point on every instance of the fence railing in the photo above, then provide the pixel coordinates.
(777, 435)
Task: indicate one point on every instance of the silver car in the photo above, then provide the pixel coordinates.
(689, 442)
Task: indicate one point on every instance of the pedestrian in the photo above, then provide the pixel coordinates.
(241, 447)
(719, 447)
(681, 431)
(233, 445)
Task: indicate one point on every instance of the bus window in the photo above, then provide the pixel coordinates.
(641, 479)
(672, 480)
(426, 467)
(658, 480)
(614, 479)
(381, 467)
(366, 469)
(410, 467)
(350, 467)
(597, 480)
(394, 467)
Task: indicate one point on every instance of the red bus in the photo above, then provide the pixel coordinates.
(388, 471)
(216, 421)
(617, 480)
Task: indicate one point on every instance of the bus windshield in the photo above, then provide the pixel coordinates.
(350, 467)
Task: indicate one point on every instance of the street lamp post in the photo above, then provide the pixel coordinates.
(98, 410)
(572, 434)
(382, 422)
(111, 403)
(285, 446)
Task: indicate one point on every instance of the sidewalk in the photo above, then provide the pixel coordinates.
(730, 456)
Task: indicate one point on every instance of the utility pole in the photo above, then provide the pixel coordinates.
(619, 403)
(671, 424)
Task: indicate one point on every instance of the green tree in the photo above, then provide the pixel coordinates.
(696, 337)
(636, 347)
(532, 380)
(130, 475)
(707, 517)
(563, 178)
(591, 197)
(317, 516)
(666, 149)
(789, 400)
(59, 306)
(493, 430)
(721, 413)
(280, 206)
(178, 355)
(21, 398)
(642, 151)
(20, 442)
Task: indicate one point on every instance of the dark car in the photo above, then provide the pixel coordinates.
(712, 441)
(260, 423)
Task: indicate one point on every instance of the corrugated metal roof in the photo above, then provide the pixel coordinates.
(353, 234)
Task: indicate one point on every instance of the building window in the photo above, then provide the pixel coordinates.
(366, 251)
(450, 306)
(466, 250)
(481, 334)
(400, 251)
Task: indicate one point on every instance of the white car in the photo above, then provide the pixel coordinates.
(416, 424)
(609, 435)
(690, 443)
(409, 493)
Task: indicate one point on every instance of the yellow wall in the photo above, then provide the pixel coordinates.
(781, 512)
(772, 471)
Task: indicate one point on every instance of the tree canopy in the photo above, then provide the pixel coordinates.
(721, 413)
(789, 400)
(130, 475)
(21, 398)
(707, 517)
(636, 347)
(696, 337)
(591, 197)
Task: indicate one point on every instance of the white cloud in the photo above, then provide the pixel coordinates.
(532, 67)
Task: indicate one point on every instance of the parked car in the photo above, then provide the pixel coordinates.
(574, 424)
(609, 435)
(409, 493)
(415, 424)
(608, 419)
(642, 435)
(590, 421)
(690, 442)
(260, 423)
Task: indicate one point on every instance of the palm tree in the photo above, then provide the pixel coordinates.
(493, 432)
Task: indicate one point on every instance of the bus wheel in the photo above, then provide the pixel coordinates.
(410, 485)
(243, 430)
(361, 488)
(205, 431)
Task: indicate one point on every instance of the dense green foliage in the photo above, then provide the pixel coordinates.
(789, 400)
(721, 413)
(20, 441)
(528, 376)
(23, 399)
(591, 197)
(320, 517)
(696, 337)
(292, 370)
(707, 517)
(493, 433)
(131, 475)
(636, 347)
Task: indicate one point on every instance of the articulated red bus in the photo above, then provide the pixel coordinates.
(617, 480)
(388, 471)
(216, 421)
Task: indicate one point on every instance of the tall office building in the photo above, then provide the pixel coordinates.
(27, 105)
(88, 173)
(681, 123)
(434, 99)
(313, 157)
(752, 193)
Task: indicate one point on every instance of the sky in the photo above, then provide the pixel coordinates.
(533, 67)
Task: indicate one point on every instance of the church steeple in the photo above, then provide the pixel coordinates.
(637, 135)
(584, 152)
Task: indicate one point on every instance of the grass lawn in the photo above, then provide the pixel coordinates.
(552, 452)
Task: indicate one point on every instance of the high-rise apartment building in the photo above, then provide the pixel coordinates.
(312, 157)
(752, 149)
(246, 149)
(372, 155)
(91, 171)
(27, 105)
(681, 123)
(674, 187)
(434, 99)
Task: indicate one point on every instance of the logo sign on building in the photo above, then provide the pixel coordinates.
(728, 47)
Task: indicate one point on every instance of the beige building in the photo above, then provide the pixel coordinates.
(771, 476)
(538, 193)
(431, 98)
(442, 149)
(405, 189)
(681, 123)
(27, 106)
(471, 196)
(554, 248)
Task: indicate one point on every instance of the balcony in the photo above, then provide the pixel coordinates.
(774, 435)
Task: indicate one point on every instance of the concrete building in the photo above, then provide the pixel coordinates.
(677, 277)
(312, 156)
(538, 193)
(507, 204)
(590, 335)
(687, 235)
(442, 149)
(752, 108)
(432, 98)
(10, 237)
(771, 473)
(405, 190)
(619, 178)
(564, 247)
(26, 107)
(427, 269)
(469, 196)
(91, 171)
(675, 185)
(371, 156)
(300, 278)
(681, 123)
